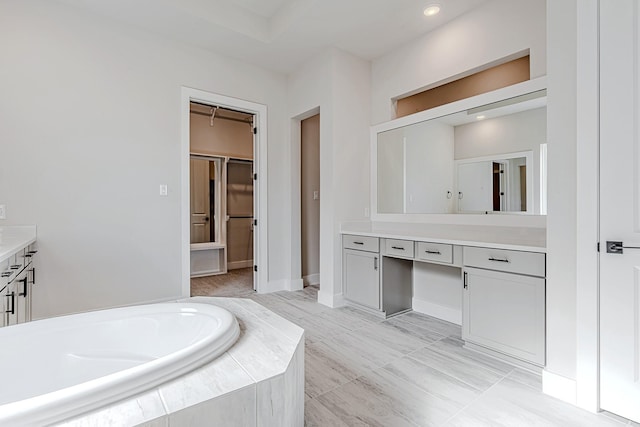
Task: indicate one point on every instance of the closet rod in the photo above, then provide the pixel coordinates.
(223, 118)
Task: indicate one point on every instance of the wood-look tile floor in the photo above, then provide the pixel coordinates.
(410, 370)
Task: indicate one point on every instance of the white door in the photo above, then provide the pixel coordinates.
(256, 204)
(475, 186)
(200, 201)
(620, 207)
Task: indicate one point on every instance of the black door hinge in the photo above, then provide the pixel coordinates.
(598, 247)
(255, 268)
(255, 131)
(255, 222)
(255, 176)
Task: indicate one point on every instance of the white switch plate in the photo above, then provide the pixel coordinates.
(164, 190)
(3, 212)
(316, 195)
(366, 212)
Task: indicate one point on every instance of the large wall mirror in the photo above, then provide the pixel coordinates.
(483, 159)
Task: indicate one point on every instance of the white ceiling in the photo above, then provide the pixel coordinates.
(282, 34)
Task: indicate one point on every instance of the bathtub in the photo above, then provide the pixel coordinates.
(58, 368)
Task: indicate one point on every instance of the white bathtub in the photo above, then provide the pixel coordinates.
(57, 368)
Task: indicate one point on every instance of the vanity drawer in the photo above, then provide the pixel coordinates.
(361, 243)
(402, 248)
(440, 252)
(529, 263)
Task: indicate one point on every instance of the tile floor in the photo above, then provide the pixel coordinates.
(410, 370)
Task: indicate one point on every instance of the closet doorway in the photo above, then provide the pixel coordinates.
(222, 214)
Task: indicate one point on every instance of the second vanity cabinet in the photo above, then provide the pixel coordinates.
(500, 292)
(503, 305)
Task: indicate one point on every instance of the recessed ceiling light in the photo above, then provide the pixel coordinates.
(480, 117)
(432, 9)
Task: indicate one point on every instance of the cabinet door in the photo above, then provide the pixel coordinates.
(505, 312)
(22, 295)
(11, 300)
(362, 278)
(4, 306)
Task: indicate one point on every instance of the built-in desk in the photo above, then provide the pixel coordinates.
(489, 280)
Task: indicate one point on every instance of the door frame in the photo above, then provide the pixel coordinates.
(260, 185)
(296, 197)
(586, 390)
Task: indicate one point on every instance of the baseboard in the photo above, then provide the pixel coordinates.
(234, 265)
(330, 300)
(311, 279)
(207, 273)
(282, 285)
(560, 387)
(274, 286)
(438, 311)
(296, 284)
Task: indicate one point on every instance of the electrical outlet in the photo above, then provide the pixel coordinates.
(3, 212)
(164, 190)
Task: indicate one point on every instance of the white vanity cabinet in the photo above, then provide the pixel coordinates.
(17, 275)
(503, 307)
(361, 270)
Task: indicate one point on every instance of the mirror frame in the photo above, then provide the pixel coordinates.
(508, 92)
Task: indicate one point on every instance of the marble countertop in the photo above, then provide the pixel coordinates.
(14, 238)
(514, 238)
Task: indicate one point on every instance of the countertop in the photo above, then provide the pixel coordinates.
(14, 238)
(513, 238)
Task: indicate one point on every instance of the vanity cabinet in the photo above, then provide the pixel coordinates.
(17, 276)
(503, 307)
(361, 270)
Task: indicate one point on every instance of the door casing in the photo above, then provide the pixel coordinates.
(260, 185)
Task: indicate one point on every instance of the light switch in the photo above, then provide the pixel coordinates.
(164, 190)
(3, 212)
(316, 195)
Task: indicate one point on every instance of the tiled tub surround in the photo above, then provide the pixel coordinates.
(257, 382)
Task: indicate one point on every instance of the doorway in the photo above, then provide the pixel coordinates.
(310, 200)
(221, 193)
(224, 200)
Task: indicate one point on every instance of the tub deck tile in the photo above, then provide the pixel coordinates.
(215, 379)
(139, 410)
